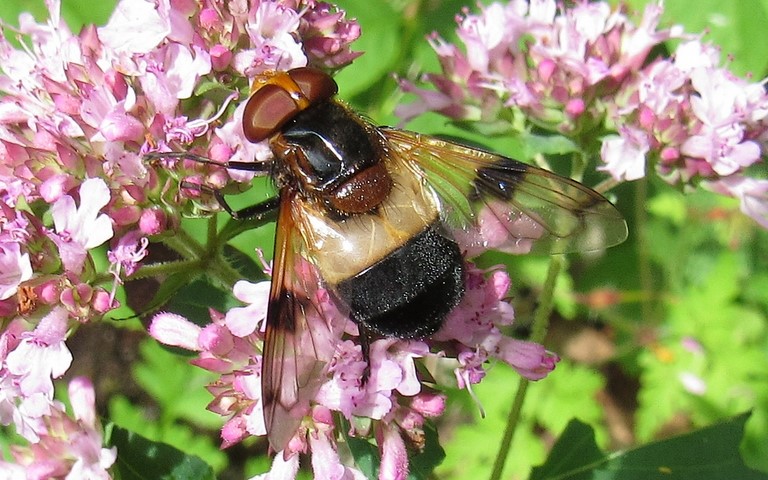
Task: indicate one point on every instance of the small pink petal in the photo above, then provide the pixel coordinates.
(175, 330)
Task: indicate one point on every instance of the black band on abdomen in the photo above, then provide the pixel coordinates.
(408, 293)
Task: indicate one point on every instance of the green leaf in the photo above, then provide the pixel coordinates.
(178, 386)
(569, 391)
(75, 12)
(366, 456)
(380, 27)
(572, 455)
(182, 436)
(194, 298)
(244, 264)
(164, 291)
(424, 463)
(711, 453)
(142, 459)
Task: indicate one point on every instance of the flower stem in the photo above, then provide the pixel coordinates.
(647, 281)
(167, 268)
(540, 326)
(185, 245)
(546, 301)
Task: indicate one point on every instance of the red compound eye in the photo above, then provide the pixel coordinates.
(268, 109)
(284, 95)
(315, 84)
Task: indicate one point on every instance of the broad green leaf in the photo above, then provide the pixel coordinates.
(366, 456)
(711, 453)
(141, 459)
(380, 42)
(573, 455)
(75, 12)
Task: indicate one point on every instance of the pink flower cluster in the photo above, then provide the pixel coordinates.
(392, 404)
(77, 115)
(585, 73)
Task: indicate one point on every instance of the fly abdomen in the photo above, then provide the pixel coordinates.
(408, 293)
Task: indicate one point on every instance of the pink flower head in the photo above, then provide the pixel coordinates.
(273, 45)
(327, 36)
(69, 447)
(549, 63)
(586, 68)
(385, 387)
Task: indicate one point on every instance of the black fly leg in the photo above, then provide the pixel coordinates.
(258, 210)
(258, 167)
(365, 344)
(253, 211)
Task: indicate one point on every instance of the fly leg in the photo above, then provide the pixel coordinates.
(365, 345)
(254, 211)
(259, 167)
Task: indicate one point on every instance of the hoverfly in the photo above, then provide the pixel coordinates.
(375, 216)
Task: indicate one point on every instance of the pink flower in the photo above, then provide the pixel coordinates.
(175, 330)
(158, 22)
(79, 229)
(237, 393)
(243, 321)
(392, 394)
(41, 355)
(751, 192)
(624, 155)
(66, 447)
(15, 268)
(325, 459)
(171, 73)
(569, 58)
(274, 46)
(283, 468)
(394, 457)
(327, 36)
(529, 359)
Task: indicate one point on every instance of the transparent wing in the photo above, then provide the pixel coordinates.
(303, 328)
(494, 202)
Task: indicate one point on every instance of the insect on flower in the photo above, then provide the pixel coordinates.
(377, 220)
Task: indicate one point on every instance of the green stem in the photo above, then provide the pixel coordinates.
(212, 232)
(167, 268)
(185, 245)
(605, 185)
(196, 258)
(540, 327)
(643, 255)
(547, 300)
(220, 270)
